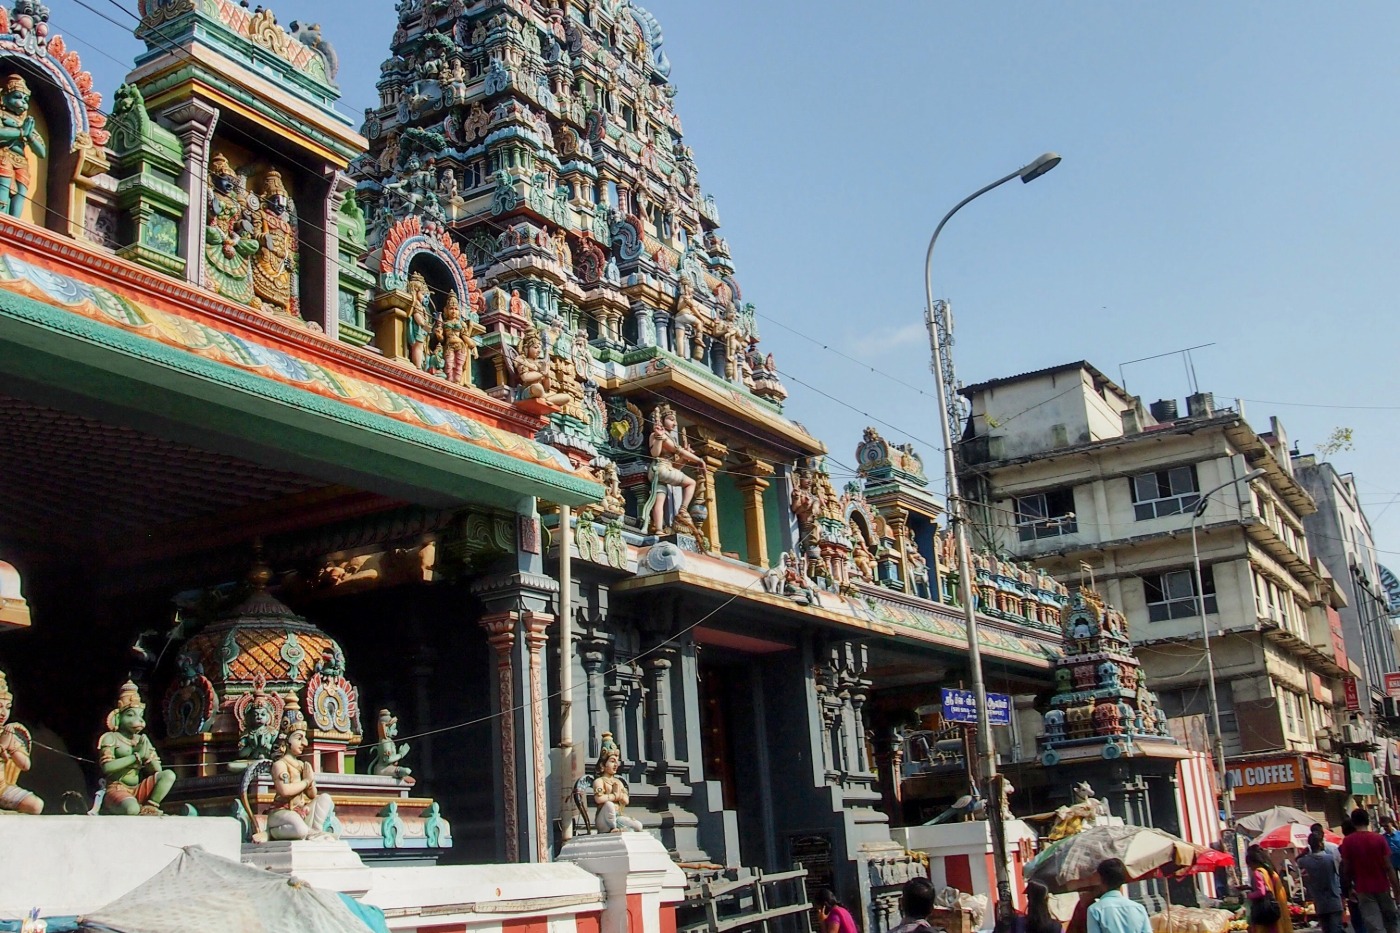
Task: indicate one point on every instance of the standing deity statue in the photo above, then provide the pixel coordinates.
(15, 745)
(420, 320)
(689, 323)
(135, 781)
(565, 374)
(533, 373)
(610, 792)
(298, 811)
(805, 504)
(229, 242)
(459, 335)
(731, 334)
(862, 559)
(17, 136)
(672, 489)
(385, 758)
(275, 263)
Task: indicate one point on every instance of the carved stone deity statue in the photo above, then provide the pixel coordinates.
(258, 714)
(689, 323)
(275, 263)
(862, 559)
(229, 242)
(15, 745)
(459, 333)
(534, 374)
(610, 793)
(420, 319)
(805, 503)
(135, 782)
(17, 137)
(565, 374)
(298, 811)
(386, 756)
(613, 501)
(671, 488)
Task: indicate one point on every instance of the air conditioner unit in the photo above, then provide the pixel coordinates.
(1356, 734)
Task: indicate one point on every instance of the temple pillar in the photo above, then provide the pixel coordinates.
(663, 740)
(751, 487)
(714, 454)
(516, 622)
(536, 628)
(193, 121)
(327, 288)
(500, 632)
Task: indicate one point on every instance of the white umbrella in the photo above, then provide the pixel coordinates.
(1257, 824)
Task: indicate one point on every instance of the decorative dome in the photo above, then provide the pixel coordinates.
(13, 608)
(261, 644)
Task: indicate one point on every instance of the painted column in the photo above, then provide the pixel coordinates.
(338, 187)
(714, 454)
(752, 485)
(500, 631)
(536, 627)
(193, 122)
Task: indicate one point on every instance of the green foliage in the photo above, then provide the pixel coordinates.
(1341, 438)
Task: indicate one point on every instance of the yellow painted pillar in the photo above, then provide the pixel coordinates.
(751, 485)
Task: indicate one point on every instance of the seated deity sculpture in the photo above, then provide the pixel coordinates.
(135, 782)
(299, 810)
(610, 794)
(385, 758)
(15, 745)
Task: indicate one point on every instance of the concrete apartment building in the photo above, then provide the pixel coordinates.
(1341, 537)
(1072, 472)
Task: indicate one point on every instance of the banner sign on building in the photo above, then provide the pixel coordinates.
(1257, 777)
(961, 706)
(1353, 696)
(1362, 777)
(1392, 686)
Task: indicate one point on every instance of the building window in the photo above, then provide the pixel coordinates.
(1046, 515)
(1172, 595)
(1168, 492)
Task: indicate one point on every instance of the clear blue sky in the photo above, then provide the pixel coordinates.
(1229, 175)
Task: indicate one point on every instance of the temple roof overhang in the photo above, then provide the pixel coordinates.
(915, 621)
(100, 331)
(710, 397)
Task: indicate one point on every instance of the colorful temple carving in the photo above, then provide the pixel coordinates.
(400, 360)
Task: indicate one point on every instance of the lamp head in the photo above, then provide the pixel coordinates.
(1253, 474)
(1039, 167)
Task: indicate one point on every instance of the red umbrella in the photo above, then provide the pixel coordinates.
(1207, 860)
(1292, 835)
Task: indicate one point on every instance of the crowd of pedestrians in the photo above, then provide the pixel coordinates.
(1357, 881)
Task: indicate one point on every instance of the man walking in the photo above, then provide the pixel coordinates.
(1366, 869)
(1323, 882)
(1113, 912)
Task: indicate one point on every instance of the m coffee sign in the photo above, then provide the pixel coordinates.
(1258, 777)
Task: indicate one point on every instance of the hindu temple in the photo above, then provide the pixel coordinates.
(422, 481)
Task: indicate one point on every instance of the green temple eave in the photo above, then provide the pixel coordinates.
(79, 345)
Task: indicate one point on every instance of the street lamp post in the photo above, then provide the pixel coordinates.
(939, 334)
(1218, 741)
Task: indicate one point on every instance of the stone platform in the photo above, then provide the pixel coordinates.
(76, 864)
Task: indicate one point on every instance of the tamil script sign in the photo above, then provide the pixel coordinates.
(961, 706)
(1392, 686)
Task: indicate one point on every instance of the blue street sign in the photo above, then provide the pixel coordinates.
(961, 706)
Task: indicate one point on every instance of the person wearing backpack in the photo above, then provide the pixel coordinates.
(1265, 893)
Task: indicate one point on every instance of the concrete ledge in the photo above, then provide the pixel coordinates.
(76, 864)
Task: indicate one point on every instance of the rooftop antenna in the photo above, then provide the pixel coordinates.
(1186, 359)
